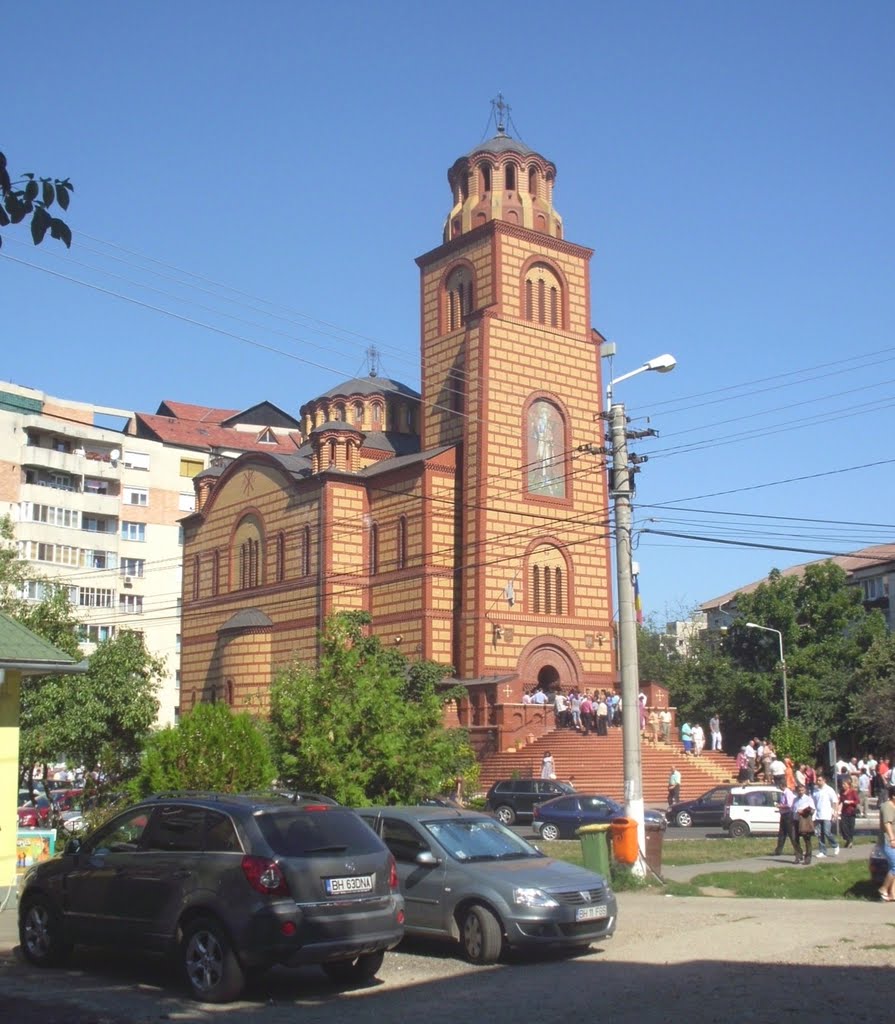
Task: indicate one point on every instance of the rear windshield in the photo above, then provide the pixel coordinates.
(297, 833)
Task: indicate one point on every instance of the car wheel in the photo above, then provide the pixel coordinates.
(213, 970)
(353, 972)
(738, 829)
(41, 934)
(549, 832)
(481, 936)
(683, 819)
(505, 814)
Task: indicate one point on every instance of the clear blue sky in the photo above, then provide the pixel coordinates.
(730, 163)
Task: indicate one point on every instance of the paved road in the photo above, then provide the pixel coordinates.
(719, 960)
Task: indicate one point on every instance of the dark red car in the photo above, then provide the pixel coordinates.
(37, 814)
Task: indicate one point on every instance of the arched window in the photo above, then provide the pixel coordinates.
(545, 463)
(332, 453)
(306, 551)
(216, 573)
(542, 301)
(458, 298)
(338, 412)
(510, 177)
(533, 180)
(230, 692)
(486, 177)
(402, 542)
(196, 565)
(358, 414)
(281, 557)
(546, 571)
(248, 552)
(374, 549)
(377, 415)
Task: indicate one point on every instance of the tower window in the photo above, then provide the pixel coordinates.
(306, 551)
(486, 177)
(547, 569)
(458, 299)
(510, 177)
(374, 549)
(402, 542)
(215, 573)
(196, 566)
(542, 296)
(529, 300)
(533, 180)
(281, 557)
(542, 312)
(358, 414)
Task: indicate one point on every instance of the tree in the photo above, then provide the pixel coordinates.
(211, 748)
(367, 725)
(33, 196)
(873, 699)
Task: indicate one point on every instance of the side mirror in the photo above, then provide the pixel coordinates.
(426, 859)
(72, 847)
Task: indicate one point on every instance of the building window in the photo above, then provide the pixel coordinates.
(132, 567)
(306, 551)
(136, 496)
(136, 460)
(374, 549)
(190, 467)
(358, 414)
(546, 571)
(458, 298)
(377, 415)
(281, 557)
(133, 531)
(215, 573)
(546, 456)
(130, 604)
(177, 644)
(177, 680)
(196, 579)
(533, 181)
(510, 177)
(95, 597)
(187, 502)
(95, 634)
(486, 177)
(268, 437)
(402, 542)
(542, 296)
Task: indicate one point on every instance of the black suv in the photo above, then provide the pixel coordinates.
(233, 884)
(514, 799)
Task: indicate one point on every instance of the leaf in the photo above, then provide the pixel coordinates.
(49, 193)
(4, 218)
(61, 195)
(16, 209)
(39, 224)
(31, 190)
(59, 229)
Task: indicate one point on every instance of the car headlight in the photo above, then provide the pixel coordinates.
(533, 898)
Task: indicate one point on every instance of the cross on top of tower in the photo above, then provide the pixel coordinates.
(498, 106)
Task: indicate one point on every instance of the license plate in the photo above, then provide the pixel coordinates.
(591, 913)
(355, 883)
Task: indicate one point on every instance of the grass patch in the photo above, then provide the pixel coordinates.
(847, 881)
(680, 852)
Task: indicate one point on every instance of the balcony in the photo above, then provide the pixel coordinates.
(79, 463)
(47, 493)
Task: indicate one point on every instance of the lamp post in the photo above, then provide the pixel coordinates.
(622, 494)
(770, 629)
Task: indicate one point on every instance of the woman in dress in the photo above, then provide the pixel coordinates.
(548, 768)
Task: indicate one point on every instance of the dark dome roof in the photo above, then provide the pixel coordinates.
(370, 386)
(502, 144)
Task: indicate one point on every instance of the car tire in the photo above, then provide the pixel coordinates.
(41, 933)
(354, 972)
(738, 829)
(549, 832)
(505, 814)
(213, 971)
(481, 935)
(683, 819)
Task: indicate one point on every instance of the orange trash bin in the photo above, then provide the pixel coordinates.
(624, 840)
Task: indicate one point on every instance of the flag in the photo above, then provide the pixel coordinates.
(638, 604)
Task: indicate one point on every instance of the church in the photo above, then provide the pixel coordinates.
(469, 519)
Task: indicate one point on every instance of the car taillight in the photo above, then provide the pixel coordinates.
(265, 876)
(393, 883)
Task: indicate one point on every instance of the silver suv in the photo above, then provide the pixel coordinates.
(232, 884)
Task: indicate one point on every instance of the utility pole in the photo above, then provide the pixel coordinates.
(622, 493)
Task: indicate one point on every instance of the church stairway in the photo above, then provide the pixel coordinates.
(594, 764)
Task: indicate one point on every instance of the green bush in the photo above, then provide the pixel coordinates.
(211, 748)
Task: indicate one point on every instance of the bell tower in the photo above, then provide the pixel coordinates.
(511, 376)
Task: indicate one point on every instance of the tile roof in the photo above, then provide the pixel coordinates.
(20, 648)
(865, 558)
(206, 433)
(200, 413)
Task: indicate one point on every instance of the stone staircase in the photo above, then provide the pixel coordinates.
(594, 764)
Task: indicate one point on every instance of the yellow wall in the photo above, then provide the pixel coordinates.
(9, 777)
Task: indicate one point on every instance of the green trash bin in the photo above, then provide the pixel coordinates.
(595, 847)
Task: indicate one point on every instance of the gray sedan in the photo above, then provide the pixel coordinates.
(467, 877)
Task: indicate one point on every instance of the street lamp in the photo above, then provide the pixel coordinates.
(622, 493)
(770, 629)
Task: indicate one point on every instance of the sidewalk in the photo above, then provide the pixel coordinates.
(753, 865)
(9, 928)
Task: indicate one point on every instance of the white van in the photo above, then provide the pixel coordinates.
(751, 810)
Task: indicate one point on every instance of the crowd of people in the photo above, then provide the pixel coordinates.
(587, 711)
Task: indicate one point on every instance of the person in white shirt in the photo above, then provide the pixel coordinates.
(827, 805)
(803, 824)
